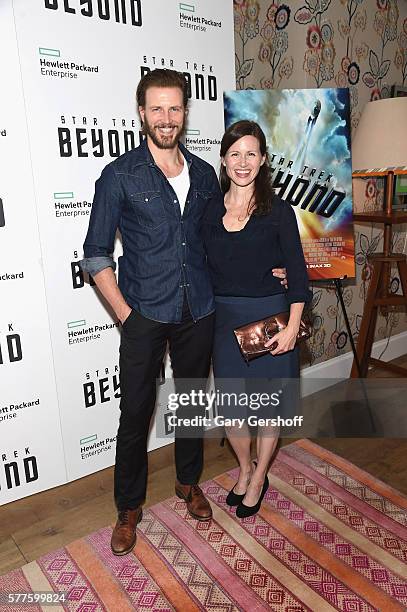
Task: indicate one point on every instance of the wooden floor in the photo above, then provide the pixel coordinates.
(43, 522)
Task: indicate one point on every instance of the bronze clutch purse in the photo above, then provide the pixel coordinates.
(252, 336)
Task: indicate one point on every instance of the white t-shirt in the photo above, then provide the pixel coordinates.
(180, 185)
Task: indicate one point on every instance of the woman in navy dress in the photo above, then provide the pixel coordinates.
(247, 235)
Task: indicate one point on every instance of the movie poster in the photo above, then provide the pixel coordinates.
(308, 137)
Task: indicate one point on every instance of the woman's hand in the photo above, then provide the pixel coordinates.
(282, 274)
(287, 337)
(285, 340)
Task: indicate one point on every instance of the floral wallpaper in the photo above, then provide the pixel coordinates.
(360, 44)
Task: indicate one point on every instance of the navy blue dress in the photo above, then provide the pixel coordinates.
(240, 265)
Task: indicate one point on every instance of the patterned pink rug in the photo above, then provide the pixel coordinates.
(328, 537)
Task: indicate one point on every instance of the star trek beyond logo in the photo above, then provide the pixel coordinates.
(2, 217)
(11, 350)
(89, 137)
(79, 278)
(101, 386)
(120, 11)
(312, 190)
(189, 19)
(201, 80)
(18, 467)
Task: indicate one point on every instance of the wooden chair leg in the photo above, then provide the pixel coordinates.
(402, 268)
(366, 334)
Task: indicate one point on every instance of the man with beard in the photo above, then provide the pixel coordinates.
(155, 195)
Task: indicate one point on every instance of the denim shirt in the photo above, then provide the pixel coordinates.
(163, 252)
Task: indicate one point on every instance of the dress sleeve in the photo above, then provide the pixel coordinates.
(293, 256)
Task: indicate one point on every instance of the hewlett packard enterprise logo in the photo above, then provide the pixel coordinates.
(121, 11)
(191, 19)
(91, 446)
(79, 332)
(53, 65)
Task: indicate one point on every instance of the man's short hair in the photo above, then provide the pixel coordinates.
(161, 77)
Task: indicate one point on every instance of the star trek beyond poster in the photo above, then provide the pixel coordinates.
(308, 138)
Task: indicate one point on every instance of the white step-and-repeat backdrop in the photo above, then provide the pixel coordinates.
(69, 71)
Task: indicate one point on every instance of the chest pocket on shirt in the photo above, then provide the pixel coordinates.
(201, 198)
(148, 208)
(202, 194)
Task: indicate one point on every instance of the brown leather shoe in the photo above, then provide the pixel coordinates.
(124, 534)
(197, 504)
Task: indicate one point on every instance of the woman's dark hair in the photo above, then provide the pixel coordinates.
(262, 198)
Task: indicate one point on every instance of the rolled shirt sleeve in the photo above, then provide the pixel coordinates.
(93, 265)
(293, 257)
(103, 223)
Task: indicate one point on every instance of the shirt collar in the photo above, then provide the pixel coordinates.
(147, 158)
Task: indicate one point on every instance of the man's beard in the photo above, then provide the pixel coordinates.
(162, 141)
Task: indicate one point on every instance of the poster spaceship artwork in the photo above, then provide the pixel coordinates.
(308, 139)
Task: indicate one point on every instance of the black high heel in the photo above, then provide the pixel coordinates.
(234, 499)
(243, 511)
